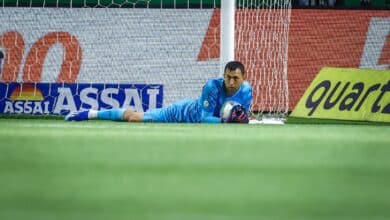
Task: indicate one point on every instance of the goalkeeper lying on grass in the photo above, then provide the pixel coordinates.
(231, 89)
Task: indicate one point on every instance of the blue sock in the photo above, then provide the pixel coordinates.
(115, 114)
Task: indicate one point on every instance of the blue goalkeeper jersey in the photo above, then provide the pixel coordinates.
(204, 109)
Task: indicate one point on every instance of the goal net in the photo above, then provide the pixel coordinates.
(262, 45)
(58, 56)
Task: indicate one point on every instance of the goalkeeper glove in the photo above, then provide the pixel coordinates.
(237, 115)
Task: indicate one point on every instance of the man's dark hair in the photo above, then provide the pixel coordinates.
(233, 65)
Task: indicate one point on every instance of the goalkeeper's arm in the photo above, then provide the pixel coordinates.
(208, 117)
(238, 115)
(208, 100)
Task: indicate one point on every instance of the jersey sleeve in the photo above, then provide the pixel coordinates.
(208, 101)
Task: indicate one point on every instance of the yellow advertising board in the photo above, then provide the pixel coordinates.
(347, 94)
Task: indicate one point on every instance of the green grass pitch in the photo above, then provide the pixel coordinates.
(51, 169)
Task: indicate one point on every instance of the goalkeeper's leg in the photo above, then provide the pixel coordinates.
(114, 114)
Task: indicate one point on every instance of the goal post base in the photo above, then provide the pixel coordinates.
(268, 118)
(268, 121)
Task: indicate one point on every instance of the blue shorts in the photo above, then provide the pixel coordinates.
(183, 111)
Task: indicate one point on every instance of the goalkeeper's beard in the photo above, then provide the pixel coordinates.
(230, 90)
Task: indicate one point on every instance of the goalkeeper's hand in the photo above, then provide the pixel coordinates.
(238, 115)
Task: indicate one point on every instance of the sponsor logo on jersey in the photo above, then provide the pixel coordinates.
(206, 103)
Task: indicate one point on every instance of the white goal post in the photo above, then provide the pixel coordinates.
(228, 9)
(140, 54)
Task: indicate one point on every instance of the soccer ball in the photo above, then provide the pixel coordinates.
(226, 110)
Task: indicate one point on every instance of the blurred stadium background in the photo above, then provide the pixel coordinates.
(306, 169)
